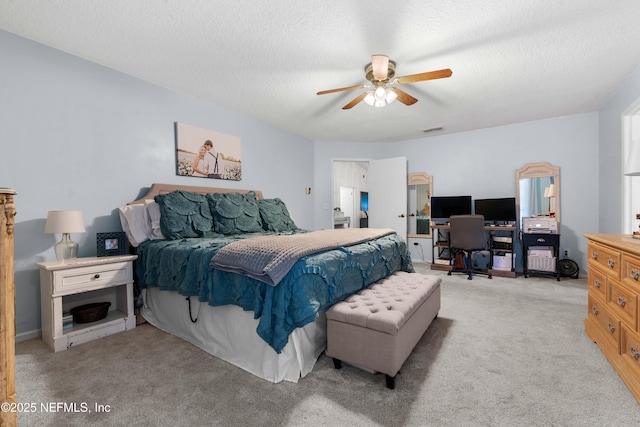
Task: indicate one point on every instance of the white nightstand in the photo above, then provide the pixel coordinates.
(83, 281)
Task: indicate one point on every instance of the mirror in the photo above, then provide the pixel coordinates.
(538, 191)
(419, 199)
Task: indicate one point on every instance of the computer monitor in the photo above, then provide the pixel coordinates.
(444, 206)
(497, 210)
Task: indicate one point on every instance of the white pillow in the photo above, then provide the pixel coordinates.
(152, 216)
(134, 223)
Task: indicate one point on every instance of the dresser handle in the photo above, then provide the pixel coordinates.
(612, 329)
(594, 255)
(595, 310)
(97, 276)
(634, 353)
(621, 302)
(597, 283)
(635, 275)
(611, 263)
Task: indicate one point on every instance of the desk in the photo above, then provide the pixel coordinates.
(441, 245)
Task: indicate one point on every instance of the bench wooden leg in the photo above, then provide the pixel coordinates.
(337, 363)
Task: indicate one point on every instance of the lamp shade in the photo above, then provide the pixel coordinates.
(632, 166)
(59, 222)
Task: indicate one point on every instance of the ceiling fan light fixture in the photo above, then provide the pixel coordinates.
(380, 93)
(380, 65)
(391, 96)
(370, 98)
(380, 103)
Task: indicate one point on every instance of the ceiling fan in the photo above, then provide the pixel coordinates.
(382, 90)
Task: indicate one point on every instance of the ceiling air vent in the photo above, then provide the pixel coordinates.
(432, 129)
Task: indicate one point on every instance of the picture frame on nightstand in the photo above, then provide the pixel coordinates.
(112, 244)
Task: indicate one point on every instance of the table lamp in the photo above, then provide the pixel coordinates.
(550, 193)
(65, 223)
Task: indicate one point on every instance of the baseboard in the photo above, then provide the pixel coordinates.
(26, 336)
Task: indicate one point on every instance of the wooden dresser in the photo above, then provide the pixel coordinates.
(8, 417)
(613, 321)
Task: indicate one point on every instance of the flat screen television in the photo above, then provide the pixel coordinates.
(364, 201)
(497, 210)
(444, 206)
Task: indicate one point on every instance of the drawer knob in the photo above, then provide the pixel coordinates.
(621, 302)
(634, 353)
(612, 328)
(595, 310)
(97, 276)
(594, 255)
(635, 275)
(597, 283)
(611, 263)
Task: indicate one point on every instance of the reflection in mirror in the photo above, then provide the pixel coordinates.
(538, 188)
(419, 200)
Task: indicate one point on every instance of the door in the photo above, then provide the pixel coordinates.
(388, 194)
(346, 204)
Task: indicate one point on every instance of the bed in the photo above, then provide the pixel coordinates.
(266, 317)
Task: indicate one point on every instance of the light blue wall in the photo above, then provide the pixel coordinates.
(483, 164)
(610, 168)
(76, 135)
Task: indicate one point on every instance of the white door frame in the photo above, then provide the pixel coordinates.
(630, 184)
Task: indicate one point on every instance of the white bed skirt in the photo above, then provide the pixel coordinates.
(228, 332)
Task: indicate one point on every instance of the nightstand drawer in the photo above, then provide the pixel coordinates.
(540, 239)
(91, 277)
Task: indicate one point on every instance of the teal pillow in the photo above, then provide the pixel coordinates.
(275, 216)
(235, 213)
(184, 214)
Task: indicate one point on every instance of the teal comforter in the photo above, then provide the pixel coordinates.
(314, 283)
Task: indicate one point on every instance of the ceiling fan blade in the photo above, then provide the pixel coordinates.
(342, 89)
(429, 75)
(355, 101)
(380, 66)
(404, 97)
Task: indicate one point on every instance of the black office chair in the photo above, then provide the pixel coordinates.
(467, 235)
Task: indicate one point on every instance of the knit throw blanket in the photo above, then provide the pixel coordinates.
(269, 258)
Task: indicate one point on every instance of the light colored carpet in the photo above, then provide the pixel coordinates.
(502, 352)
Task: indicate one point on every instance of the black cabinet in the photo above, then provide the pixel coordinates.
(540, 253)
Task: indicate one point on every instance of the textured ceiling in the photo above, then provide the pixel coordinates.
(512, 61)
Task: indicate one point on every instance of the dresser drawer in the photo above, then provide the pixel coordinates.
(631, 272)
(630, 349)
(91, 277)
(608, 323)
(607, 259)
(623, 303)
(597, 283)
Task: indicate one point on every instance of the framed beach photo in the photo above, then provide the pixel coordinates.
(109, 244)
(205, 153)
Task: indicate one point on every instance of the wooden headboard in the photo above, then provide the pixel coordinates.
(168, 188)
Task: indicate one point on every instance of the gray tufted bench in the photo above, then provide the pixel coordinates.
(377, 328)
